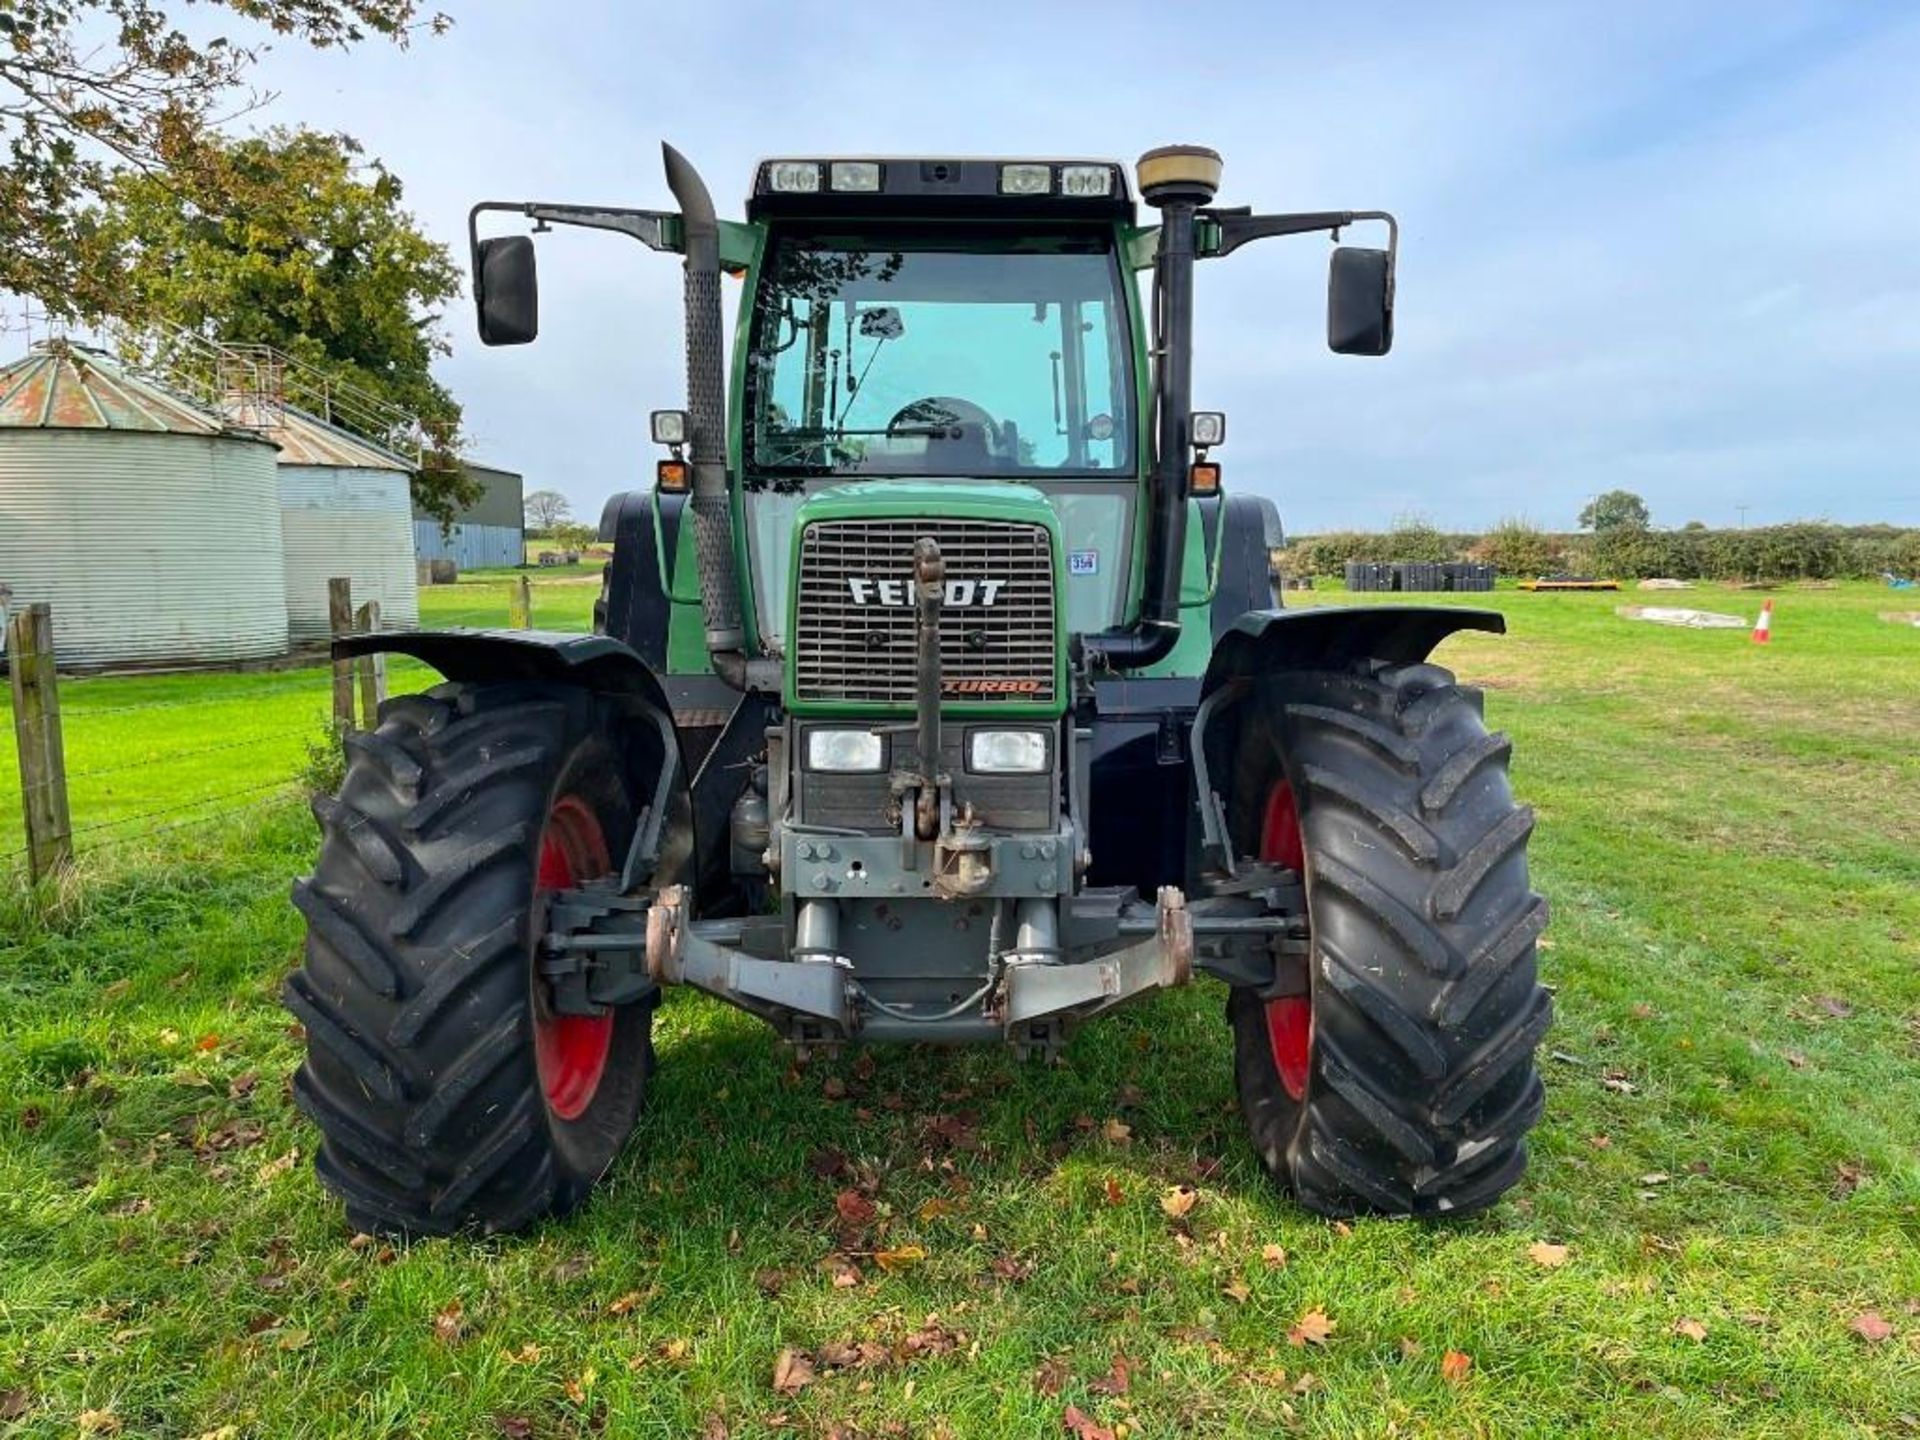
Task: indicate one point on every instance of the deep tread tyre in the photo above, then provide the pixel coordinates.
(417, 991)
(1419, 1077)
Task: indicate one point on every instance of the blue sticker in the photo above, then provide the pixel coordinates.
(1083, 562)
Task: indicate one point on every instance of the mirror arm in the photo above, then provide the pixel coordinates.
(1237, 227)
(649, 227)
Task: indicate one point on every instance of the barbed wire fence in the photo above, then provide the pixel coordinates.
(43, 732)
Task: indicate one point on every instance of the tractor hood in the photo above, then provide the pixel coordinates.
(850, 598)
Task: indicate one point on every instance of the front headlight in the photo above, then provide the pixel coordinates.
(1007, 752)
(859, 751)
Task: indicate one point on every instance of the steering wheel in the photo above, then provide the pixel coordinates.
(937, 410)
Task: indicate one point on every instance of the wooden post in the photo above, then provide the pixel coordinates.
(340, 622)
(36, 729)
(520, 604)
(373, 668)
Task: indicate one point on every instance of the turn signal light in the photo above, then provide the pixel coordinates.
(1204, 479)
(675, 475)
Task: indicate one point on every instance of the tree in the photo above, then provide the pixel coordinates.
(546, 509)
(570, 535)
(88, 85)
(299, 243)
(1615, 510)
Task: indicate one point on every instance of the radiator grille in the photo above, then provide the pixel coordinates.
(846, 650)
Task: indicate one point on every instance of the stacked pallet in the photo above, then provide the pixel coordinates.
(1415, 576)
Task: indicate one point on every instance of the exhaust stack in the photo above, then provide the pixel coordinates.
(707, 415)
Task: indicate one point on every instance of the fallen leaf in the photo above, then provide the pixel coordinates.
(1454, 1366)
(527, 1354)
(295, 1339)
(1834, 1006)
(1179, 1200)
(1655, 1177)
(1112, 1193)
(1871, 1327)
(1617, 1081)
(1052, 1375)
(1011, 1268)
(1846, 1179)
(223, 1432)
(1117, 1132)
(274, 1169)
(1115, 1382)
(15, 1402)
(1600, 1142)
(901, 1258)
(1236, 1291)
(1274, 1255)
(792, 1372)
(1313, 1328)
(827, 1163)
(1409, 1347)
(514, 1427)
(937, 1207)
(1547, 1255)
(853, 1208)
(846, 1274)
(99, 1422)
(207, 1042)
(769, 1282)
(1342, 1229)
(1692, 1329)
(834, 1088)
(1083, 1427)
(627, 1303)
(449, 1322)
(1797, 1059)
(110, 992)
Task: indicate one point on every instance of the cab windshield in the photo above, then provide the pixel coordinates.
(940, 354)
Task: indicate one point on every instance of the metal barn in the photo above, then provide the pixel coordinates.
(488, 534)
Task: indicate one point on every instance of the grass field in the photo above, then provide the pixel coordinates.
(1729, 834)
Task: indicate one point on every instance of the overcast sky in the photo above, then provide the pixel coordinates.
(1668, 247)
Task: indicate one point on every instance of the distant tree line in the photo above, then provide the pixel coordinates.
(1801, 550)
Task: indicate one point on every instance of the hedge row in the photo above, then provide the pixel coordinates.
(1800, 551)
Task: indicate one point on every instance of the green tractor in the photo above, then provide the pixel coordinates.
(938, 692)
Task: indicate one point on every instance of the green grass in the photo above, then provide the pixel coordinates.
(1730, 836)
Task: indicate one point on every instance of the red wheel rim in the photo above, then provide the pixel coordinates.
(1290, 1018)
(569, 1051)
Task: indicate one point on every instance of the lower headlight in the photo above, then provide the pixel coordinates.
(1007, 752)
(846, 750)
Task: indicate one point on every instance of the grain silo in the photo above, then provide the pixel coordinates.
(346, 509)
(150, 525)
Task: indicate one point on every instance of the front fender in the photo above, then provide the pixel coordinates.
(598, 663)
(1328, 636)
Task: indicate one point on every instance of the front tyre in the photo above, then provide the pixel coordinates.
(1399, 1077)
(447, 1091)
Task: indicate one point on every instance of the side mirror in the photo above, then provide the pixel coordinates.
(506, 290)
(1360, 301)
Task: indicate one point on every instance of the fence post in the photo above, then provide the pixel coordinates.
(36, 729)
(373, 668)
(520, 604)
(340, 623)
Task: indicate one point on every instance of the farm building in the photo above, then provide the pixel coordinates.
(345, 510)
(491, 532)
(150, 525)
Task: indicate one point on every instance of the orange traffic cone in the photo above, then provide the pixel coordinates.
(1763, 627)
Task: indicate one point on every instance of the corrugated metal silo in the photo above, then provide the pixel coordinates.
(151, 526)
(346, 508)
